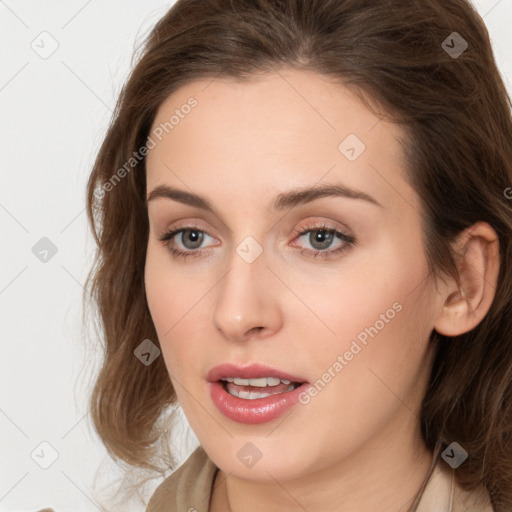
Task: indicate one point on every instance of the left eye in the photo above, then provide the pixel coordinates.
(321, 239)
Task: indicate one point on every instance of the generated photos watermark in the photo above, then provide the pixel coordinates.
(138, 156)
(354, 349)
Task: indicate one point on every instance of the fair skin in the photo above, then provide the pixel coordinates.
(357, 444)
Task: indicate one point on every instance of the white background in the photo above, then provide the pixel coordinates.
(53, 115)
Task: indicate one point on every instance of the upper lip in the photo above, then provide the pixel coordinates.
(249, 371)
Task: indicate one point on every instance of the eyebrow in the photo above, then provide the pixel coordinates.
(283, 201)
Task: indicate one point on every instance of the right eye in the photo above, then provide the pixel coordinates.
(190, 238)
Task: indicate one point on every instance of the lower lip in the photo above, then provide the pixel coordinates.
(259, 410)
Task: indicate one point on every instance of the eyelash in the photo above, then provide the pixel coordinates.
(348, 240)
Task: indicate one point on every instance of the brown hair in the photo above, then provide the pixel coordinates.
(456, 114)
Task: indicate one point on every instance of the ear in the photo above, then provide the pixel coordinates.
(478, 265)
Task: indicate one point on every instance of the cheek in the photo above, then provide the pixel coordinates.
(168, 299)
(375, 291)
(178, 302)
(170, 290)
(381, 316)
(159, 293)
(377, 318)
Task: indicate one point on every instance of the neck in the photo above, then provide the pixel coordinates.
(386, 474)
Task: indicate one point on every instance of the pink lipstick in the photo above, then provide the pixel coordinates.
(253, 393)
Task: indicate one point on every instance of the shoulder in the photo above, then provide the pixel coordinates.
(444, 493)
(477, 500)
(188, 488)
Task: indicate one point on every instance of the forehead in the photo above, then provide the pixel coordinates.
(289, 126)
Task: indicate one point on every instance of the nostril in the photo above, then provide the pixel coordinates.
(256, 329)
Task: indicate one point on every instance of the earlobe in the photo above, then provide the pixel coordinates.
(465, 307)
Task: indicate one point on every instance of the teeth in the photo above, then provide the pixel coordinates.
(252, 395)
(259, 383)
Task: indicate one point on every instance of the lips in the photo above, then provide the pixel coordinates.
(252, 371)
(269, 403)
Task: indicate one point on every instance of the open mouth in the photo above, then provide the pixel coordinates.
(253, 393)
(252, 389)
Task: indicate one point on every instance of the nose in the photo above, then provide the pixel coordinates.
(247, 305)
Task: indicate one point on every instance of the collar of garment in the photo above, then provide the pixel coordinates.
(189, 488)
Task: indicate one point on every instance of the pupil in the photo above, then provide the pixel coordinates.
(194, 236)
(323, 237)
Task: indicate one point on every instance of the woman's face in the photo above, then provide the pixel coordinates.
(328, 288)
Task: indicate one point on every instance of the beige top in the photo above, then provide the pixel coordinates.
(189, 489)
